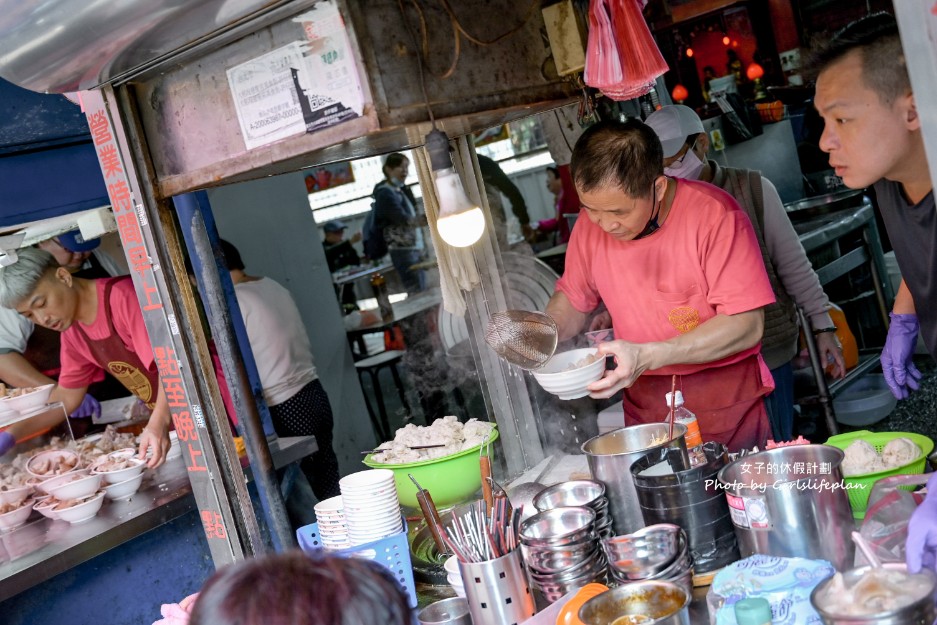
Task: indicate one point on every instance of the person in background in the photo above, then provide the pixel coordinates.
(75, 254)
(299, 405)
(496, 183)
(339, 252)
(566, 201)
(295, 589)
(709, 72)
(396, 215)
(678, 266)
(102, 331)
(793, 280)
(873, 137)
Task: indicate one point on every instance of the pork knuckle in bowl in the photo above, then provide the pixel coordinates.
(569, 374)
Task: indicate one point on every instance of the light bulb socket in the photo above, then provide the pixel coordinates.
(437, 144)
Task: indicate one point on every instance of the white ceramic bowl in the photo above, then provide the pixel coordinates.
(175, 450)
(28, 402)
(554, 378)
(45, 506)
(52, 454)
(12, 520)
(15, 495)
(84, 511)
(371, 481)
(64, 487)
(122, 475)
(123, 490)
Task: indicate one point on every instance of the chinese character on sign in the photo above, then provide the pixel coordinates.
(110, 161)
(194, 454)
(174, 391)
(213, 524)
(100, 132)
(185, 426)
(119, 193)
(129, 229)
(166, 362)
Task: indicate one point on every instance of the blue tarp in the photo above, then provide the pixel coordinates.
(48, 166)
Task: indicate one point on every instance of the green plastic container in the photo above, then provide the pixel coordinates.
(859, 497)
(450, 480)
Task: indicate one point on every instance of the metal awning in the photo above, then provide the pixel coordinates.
(72, 45)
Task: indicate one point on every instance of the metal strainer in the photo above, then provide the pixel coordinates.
(523, 338)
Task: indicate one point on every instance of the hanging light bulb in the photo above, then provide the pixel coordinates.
(679, 94)
(460, 222)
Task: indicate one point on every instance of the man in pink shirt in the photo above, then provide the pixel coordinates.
(679, 268)
(102, 330)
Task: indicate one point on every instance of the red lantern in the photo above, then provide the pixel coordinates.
(689, 52)
(679, 94)
(754, 71)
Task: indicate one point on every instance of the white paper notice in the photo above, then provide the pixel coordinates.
(309, 84)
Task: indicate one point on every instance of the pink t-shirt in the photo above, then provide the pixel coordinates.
(703, 261)
(79, 368)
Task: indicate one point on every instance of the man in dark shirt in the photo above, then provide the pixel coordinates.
(339, 253)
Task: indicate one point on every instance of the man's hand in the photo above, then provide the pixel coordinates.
(89, 407)
(897, 363)
(355, 237)
(154, 438)
(631, 364)
(602, 321)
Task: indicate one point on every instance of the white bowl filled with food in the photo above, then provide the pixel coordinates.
(25, 400)
(81, 509)
(47, 464)
(118, 466)
(73, 485)
(14, 515)
(46, 506)
(568, 374)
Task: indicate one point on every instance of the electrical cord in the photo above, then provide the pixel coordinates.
(419, 55)
(455, 22)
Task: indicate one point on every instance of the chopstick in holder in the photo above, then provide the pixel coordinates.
(414, 447)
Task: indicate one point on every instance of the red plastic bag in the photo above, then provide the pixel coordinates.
(603, 62)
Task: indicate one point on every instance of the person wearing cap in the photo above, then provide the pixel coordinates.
(102, 331)
(677, 264)
(74, 253)
(339, 252)
(685, 144)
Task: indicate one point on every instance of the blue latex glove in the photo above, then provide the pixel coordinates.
(89, 407)
(6, 442)
(921, 546)
(897, 364)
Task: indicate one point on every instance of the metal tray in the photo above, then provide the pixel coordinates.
(822, 204)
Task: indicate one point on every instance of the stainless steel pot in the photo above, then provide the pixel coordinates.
(791, 502)
(921, 612)
(610, 457)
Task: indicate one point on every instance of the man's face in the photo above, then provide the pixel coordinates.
(334, 237)
(53, 303)
(621, 217)
(64, 257)
(865, 137)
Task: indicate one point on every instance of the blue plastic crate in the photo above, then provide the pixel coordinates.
(393, 552)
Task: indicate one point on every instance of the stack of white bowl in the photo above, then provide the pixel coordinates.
(454, 575)
(330, 515)
(372, 510)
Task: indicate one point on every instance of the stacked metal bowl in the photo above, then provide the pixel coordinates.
(586, 493)
(657, 552)
(561, 550)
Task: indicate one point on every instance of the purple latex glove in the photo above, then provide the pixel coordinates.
(89, 407)
(921, 546)
(7, 441)
(897, 364)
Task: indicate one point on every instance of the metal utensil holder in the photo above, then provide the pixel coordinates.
(497, 591)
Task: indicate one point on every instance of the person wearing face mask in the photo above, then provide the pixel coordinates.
(793, 280)
(396, 215)
(678, 267)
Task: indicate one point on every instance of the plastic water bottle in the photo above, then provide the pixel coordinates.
(693, 437)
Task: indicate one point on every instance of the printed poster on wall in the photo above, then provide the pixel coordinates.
(301, 87)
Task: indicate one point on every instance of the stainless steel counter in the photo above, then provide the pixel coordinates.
(44, 548)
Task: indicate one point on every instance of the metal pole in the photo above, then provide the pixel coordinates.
(227, 327)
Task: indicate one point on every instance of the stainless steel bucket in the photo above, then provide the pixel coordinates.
(610, 457)
(693, 500)
(791, 502)
(665, 603)
(921, 612)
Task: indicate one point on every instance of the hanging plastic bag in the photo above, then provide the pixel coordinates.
(640, 58)
(603, 62)
(891, 505)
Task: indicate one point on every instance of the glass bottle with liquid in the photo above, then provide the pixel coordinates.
(693, 437)
(379, 285)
